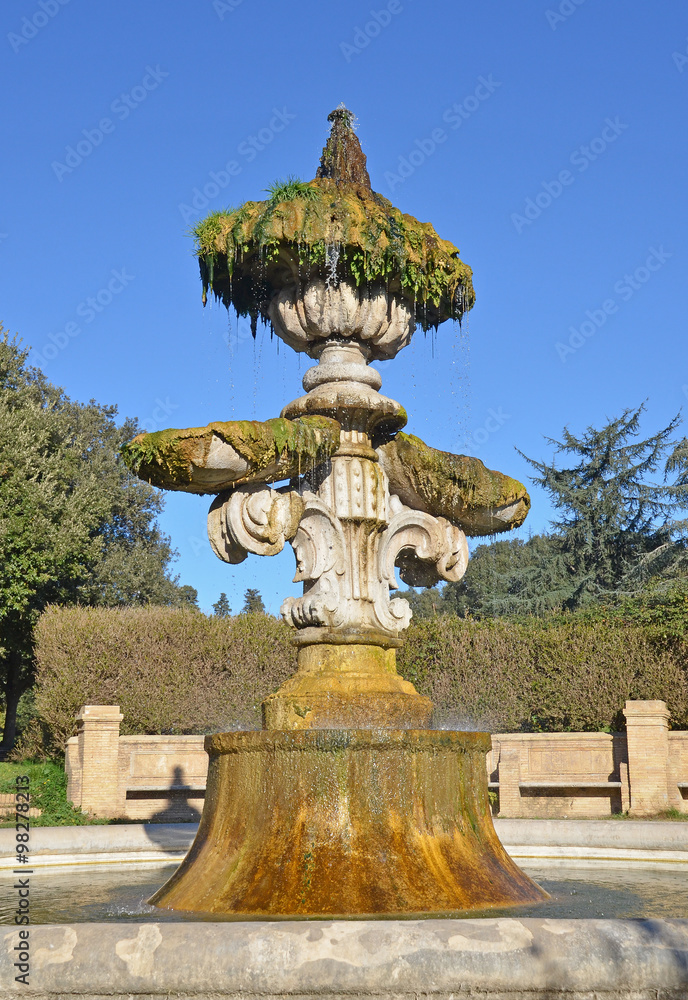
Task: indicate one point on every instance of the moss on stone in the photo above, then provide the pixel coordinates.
(457, 487)
(333, 227)
(287, 447)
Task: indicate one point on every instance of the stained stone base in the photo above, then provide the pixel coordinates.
(488, 959)
(346, 686)
(346, 822)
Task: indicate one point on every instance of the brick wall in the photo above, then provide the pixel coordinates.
(642, 771)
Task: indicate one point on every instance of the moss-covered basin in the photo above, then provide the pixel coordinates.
(227, 453)
(459, 488)
(333, 227)
(342, 231)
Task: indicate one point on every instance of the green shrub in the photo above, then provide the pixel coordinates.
(48, 791)
(169, 670)
(178, 671)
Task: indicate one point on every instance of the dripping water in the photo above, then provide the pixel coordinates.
(332, 255)
(230, 339)
(256, 363)
(460, 384)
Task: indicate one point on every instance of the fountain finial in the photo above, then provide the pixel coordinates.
(342, 159)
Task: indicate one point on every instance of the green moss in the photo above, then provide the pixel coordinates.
(166, 458)
(321, 228)
(457, 487)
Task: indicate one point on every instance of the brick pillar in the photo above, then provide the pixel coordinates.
(98, 736)
(73, 771)
(510, 803)
(647, 735)
(625, 786)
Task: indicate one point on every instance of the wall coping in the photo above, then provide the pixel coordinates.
(636, 834)
(99, 713)
(161, 739)
(564, 737)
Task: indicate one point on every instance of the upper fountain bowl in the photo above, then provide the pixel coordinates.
(319, 311)
(264, 256)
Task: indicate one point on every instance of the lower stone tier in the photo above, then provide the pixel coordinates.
(340, 822)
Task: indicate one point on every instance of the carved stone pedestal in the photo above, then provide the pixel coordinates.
(346, 686)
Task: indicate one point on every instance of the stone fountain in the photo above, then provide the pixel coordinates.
(347, 802)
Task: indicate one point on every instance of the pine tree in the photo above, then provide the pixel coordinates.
(253, 603)
(614, 523)
(221, 608)
(510, 577)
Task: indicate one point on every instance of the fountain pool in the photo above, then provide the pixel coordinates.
(94, 893)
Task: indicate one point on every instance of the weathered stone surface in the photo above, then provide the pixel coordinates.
(348, 535)
(253, 519)
(303, 317)
(494, 959)
(228, 453)
(319, 822)
(342, 159)
(346, 686)
(456, 487)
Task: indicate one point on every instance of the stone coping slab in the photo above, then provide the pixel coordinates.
(637, 834)
(551, 842)
(165, 838)
(496, 959)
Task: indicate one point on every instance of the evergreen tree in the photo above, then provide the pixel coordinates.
(426, 603)
(614, 524)
(221, 608)
(510, 577)
(186, 596)
(253, 603)
(616, 534)
(75, 524)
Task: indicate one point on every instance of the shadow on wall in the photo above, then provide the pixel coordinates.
(179, 809)
(173, 828)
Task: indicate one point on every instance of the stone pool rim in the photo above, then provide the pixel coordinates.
(496, 959)
(646, 843)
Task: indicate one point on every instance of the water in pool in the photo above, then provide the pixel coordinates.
(119, 892)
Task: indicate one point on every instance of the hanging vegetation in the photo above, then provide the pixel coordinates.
(334, 228)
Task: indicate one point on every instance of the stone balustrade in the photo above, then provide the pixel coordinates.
(643, 771)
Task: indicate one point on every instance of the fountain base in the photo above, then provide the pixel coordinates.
(312, 823)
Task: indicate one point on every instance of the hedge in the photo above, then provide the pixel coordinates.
(541, 676)
(178, 671)
(169, 670)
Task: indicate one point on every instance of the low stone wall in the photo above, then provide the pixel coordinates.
(633, 843)
(8, 806)
(494, 959)
(560, 774)
(643, 771)
(160, 778)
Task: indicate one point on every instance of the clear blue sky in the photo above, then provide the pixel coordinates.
(559, 168)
